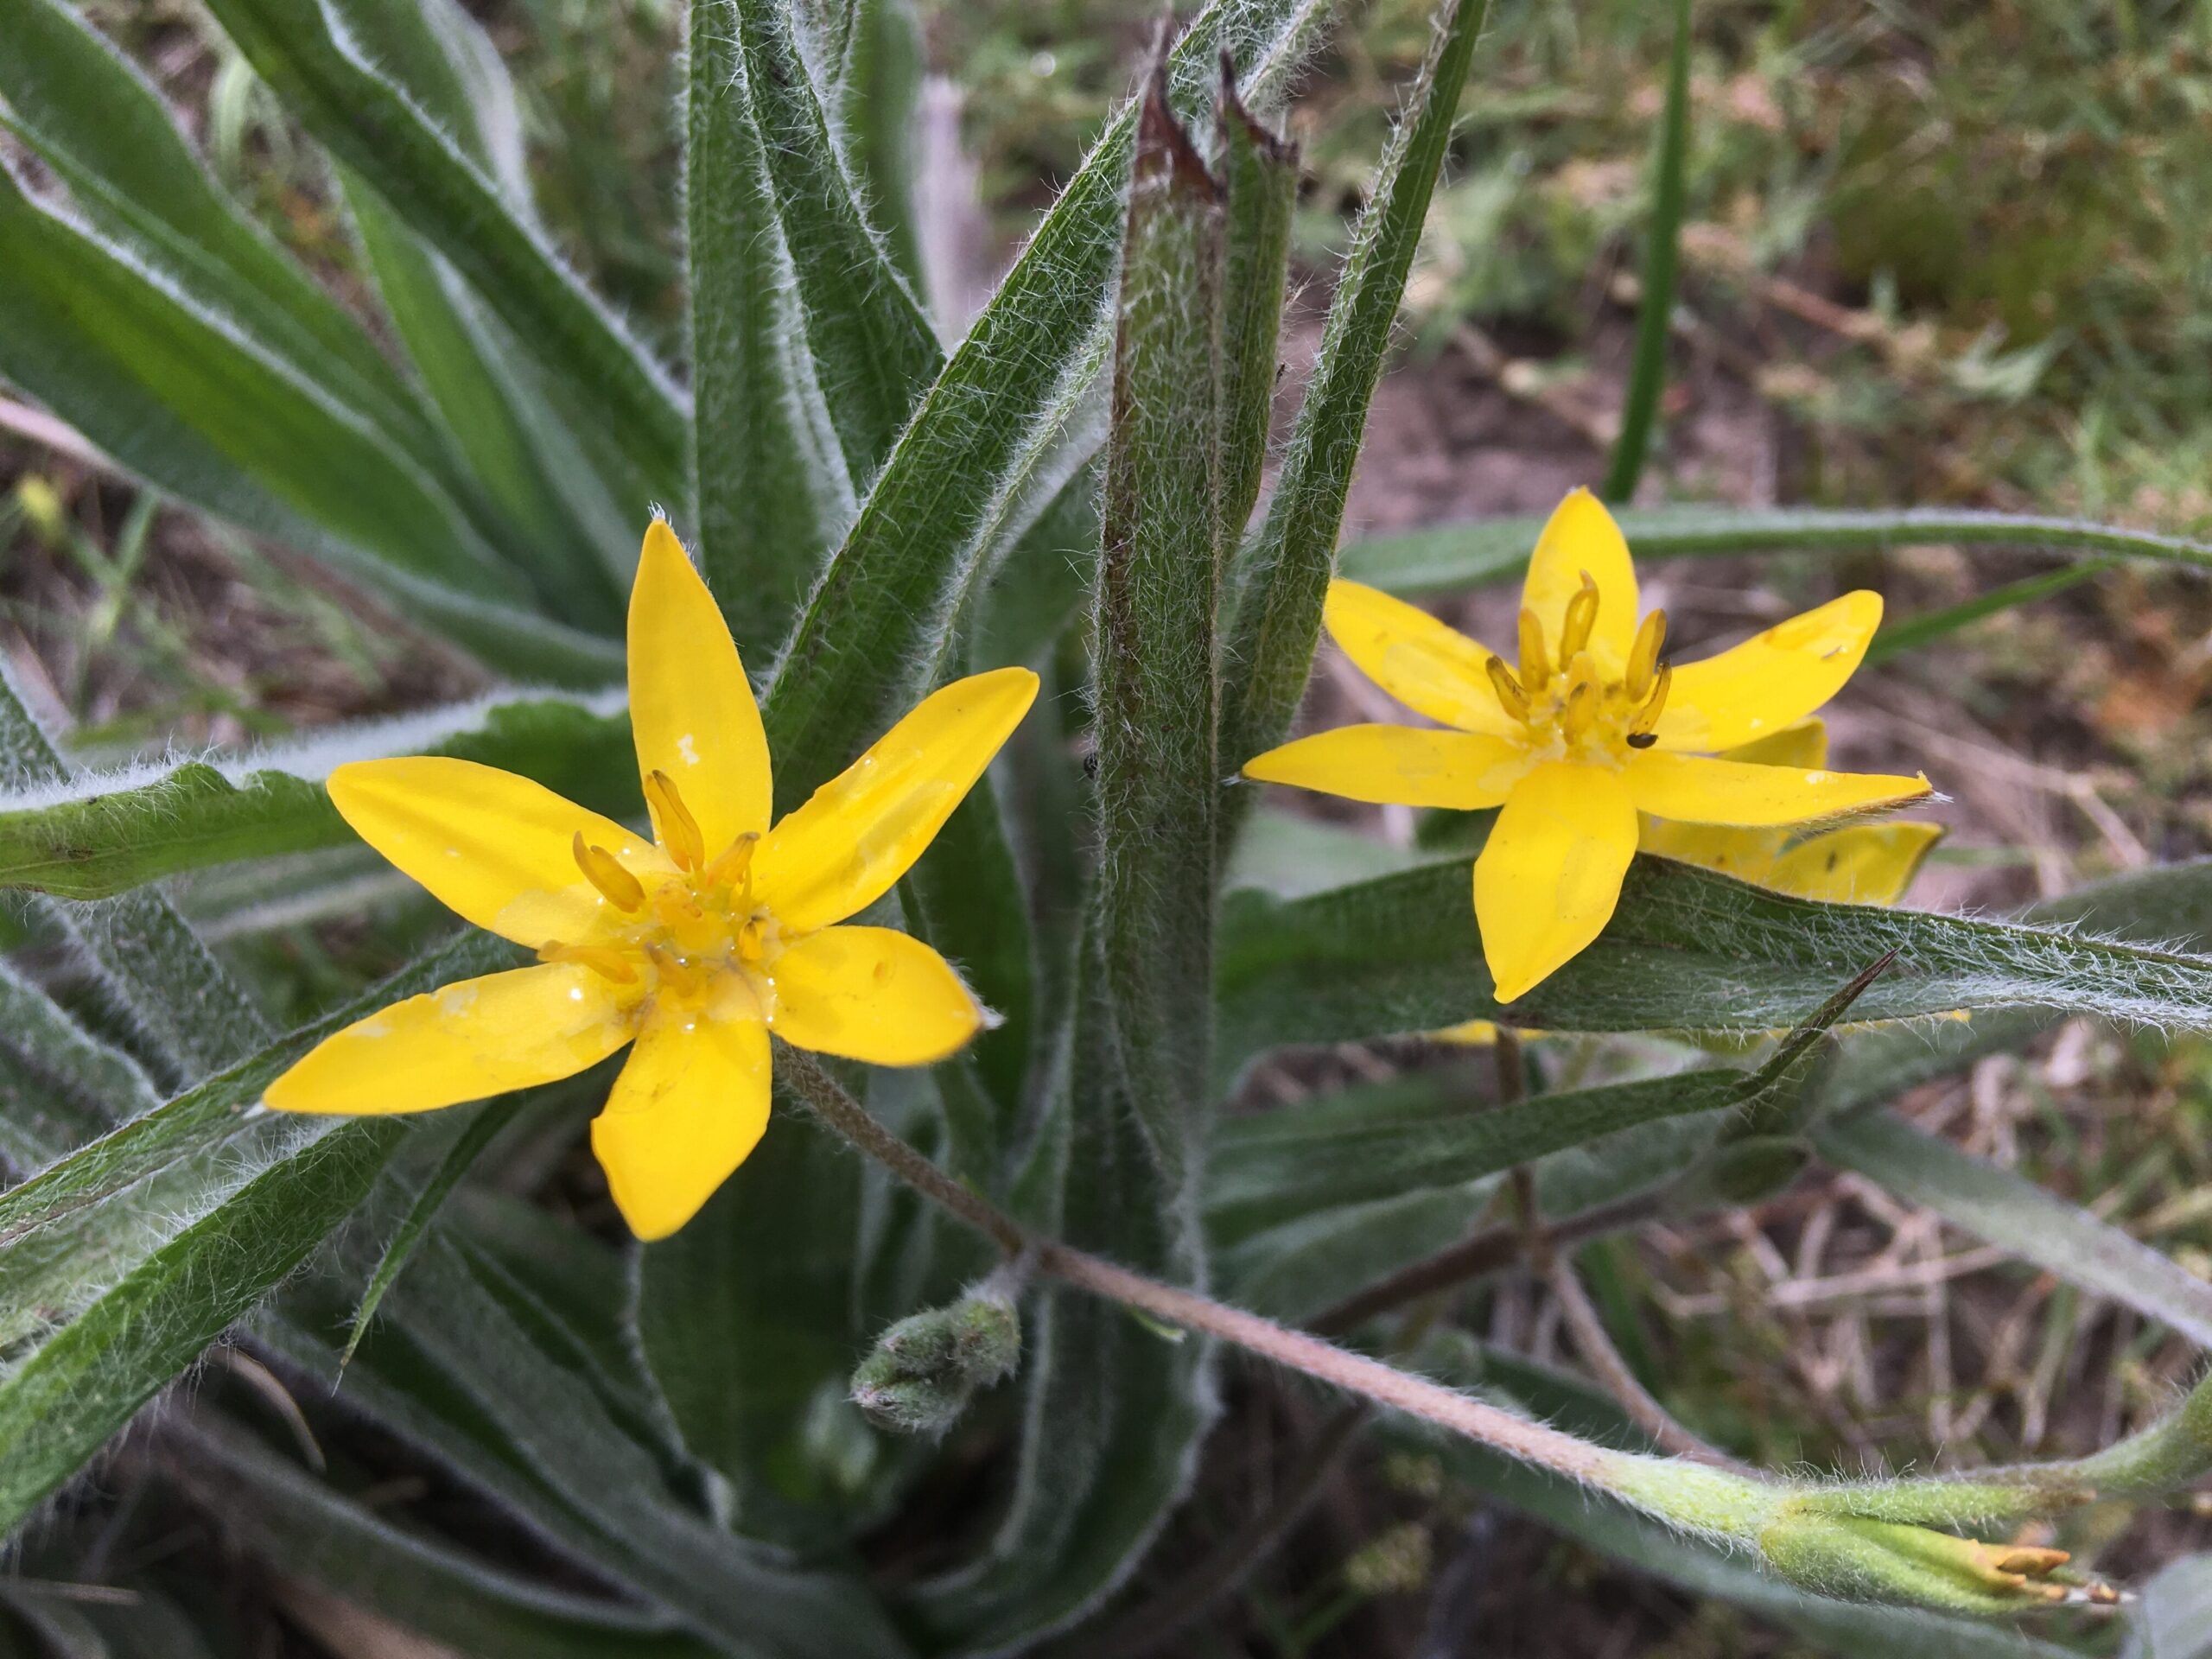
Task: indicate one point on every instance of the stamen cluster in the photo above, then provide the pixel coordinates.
(1578, 710)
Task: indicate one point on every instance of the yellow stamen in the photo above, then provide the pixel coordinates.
(676, 972)
(1644, 656)
(732, 868)
(603, 960)
(1643, 731)
(673, 825)
(751, 940)
(600, 867)
(1581, 616)
(1508, 689)
(1535, 667)
(1580, 712)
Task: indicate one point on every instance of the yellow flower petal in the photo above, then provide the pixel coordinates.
(1581, 538)
(689, 1108)
(464, 1042)
(1804, 746)
(1747, 854)
(1860, 864)
(1772, 679)
(1418, 660)
(497, 849)
(1470, 1033)
(1396, 764)
(1550, 874)
(863, 829)
(872, 994)
(1698, 789)
(692, 709)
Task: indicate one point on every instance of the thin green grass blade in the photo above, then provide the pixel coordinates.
(1496, 549)
(1655, 314)
(1282, 575)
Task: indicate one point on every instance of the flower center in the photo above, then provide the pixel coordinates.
(699, 936)
(1571, 708)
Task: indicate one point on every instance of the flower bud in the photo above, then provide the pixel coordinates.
(1883, 1561)
(927, 1367)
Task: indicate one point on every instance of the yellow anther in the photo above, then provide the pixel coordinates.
(1643, 731)
(678, 973)
(603, 960)
(1644, 656)
(751, 940)
(673, 825)
(1535, 667)
(602, 869)
(1508, 689)
(1581, 616)
(733, 867)
(1580, 712)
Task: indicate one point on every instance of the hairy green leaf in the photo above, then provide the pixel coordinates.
(983, 445)
(1687, 949)
(2173, 1619)
(100, 834)
(1156, 668)
(873, 350)
(1494, 550)
(1260, 179)
(1428, 1128)
(296, 1523)
(59, 1085)
(92, 117)
(1282, 577)
(179, 1004)
(304, 51)
(456, 1368)
(177, 395)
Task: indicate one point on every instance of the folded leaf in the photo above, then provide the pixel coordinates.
(101, 833)
(1687, 949)
(1496, 549)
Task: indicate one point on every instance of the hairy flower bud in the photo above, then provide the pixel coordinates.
(926, 1368)
(1857, 1559)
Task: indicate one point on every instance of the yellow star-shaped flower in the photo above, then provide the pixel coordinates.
(1593, 730)
(696, 944)
(1858, 864)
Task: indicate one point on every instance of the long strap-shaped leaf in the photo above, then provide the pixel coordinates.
(1495, 549)
(1283, 576)
(976, 447)
(2005, 1208)
(92, 117)
(298, 1524)
(456, 1370)
(811, 348)
(178, 1003)
(1686, 949)
(99, 835)
(299, 48)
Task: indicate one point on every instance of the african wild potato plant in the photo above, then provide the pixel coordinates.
(877, 767)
